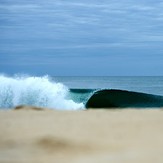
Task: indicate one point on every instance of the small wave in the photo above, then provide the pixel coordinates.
(37, 91)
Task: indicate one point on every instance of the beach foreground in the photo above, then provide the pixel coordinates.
(48, 136)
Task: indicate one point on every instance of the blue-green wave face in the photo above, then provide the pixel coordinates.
(123, 99)
(45, 92)
(81, 95)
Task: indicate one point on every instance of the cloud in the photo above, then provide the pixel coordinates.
(19, 7)
(81, 24)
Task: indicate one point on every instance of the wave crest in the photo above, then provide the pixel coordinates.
(37, 91)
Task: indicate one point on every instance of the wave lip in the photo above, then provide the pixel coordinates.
(113, 98)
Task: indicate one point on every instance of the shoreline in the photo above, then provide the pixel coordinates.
(44, 135)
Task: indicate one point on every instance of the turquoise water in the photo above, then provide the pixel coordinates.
(68, 93)
(87, 86)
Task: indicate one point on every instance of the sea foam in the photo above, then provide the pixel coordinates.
(35, 91)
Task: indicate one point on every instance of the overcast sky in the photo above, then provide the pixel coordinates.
(82, 37)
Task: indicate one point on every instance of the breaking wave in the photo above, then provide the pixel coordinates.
(113, 98)
(35, 91)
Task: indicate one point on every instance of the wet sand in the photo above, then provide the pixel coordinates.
(33, 135)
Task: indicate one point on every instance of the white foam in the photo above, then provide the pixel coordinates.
(37, 91)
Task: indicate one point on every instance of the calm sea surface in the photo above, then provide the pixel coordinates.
(147, 84)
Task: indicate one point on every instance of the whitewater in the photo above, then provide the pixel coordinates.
(35, 91)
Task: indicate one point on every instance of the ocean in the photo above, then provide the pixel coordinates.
(72, 93)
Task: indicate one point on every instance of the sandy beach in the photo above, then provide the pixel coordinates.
(92, 136)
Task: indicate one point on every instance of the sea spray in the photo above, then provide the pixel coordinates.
(36, 91)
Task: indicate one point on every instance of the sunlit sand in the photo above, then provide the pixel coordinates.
(90, 136)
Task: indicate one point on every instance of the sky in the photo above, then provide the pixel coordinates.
(81, 38)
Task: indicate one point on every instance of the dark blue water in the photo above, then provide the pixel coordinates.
(68, 93)
(148, 84)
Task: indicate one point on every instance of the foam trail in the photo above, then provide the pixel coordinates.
(36, 91)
